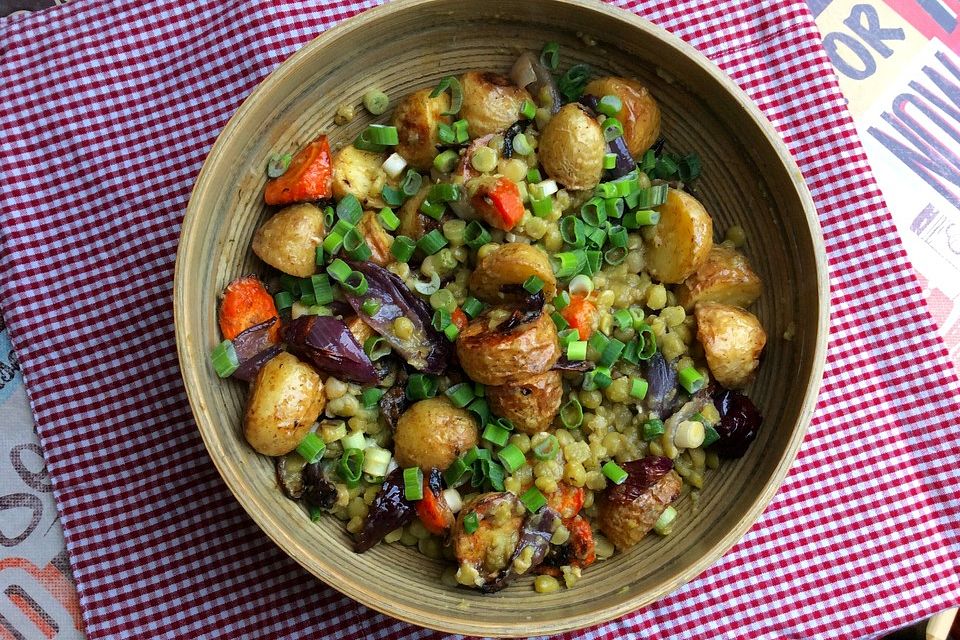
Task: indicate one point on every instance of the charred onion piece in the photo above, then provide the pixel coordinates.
(389, 511)
(327, 343)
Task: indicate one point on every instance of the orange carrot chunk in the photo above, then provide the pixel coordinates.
(246, 302)
(580, 314)
(499, 203)
(309, 176)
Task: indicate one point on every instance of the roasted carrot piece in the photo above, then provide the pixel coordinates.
(433, 511)
(246, 302)
(459, 318)
(499, 203)
(580, 314)
(566, 500)
(309, 176)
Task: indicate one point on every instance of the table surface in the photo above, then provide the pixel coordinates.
(875, 67)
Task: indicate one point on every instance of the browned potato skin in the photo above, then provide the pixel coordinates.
(492, 357)
(377, 239)
(530, 404)
(432, 433)
(416, 119)
(572, 147)
(639, 113)
(413, 223)
(732, 340)
(682, 239)
(360, 329)
(285, 400)
(356, 172)
(503, 534)
(626, 523)
(288, 240)
(491, 102)
(512, 263)
(725, 277)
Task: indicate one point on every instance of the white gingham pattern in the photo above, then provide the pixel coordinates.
(107, 110)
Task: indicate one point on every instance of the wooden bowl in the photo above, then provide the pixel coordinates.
(749, 179)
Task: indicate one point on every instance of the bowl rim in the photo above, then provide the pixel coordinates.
(350, 587)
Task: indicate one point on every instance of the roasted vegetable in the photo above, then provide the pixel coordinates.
(639, 113)
(327, 343)
(359, 173)
(290, 474)
(511, 264)
(681, 240)
(246, 302)
(628, 511)
(390, 510)
(490, 102)
(566, 500)
(377, 239)
(432, 509)
(529, 73)
(578, 551)
(285, 400)
(580, 314)
(392, 405)
(572, 147)
(319, 489)
(530, 551)
(739, 422)
(662, 385)
(308, 177)
(288, 240)
(416, 119)
(497, 200)
(530, 403)
(724, 277)
(732, 340)
(413, 222)
(432, 433)
(255, 346)
(426, 348)
(494, 357)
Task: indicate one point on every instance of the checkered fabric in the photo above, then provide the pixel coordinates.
(107, 110)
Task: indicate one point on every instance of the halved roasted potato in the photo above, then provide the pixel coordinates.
(639, 113)
(494, 357)
(288, 239)
(572, 147)
(416, 119)
(724, 277)
(285, 400)
(732, 340)
(511, 263)
(359, 173)
(491, 102)
(530, 404)
(681, 240)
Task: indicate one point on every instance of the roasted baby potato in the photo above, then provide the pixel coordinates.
(494, 357)
(531, 403)
(724, 277)
(414, 223)
(358, 328)
(572, 147)
(432, 433)
(485, 552)
(359, 173)
(681, 240)
(626, 523)
(416, 120)
(288, 240)
(491, 102)
(639, 113)
(732, 340)
(512, 263)
(285, 400)
(377, 239)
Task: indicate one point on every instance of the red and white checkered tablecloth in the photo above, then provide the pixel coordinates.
(106, 113)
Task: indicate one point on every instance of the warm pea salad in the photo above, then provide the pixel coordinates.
(499, 327)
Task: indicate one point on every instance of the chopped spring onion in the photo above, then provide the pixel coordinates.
(606, 190)
(612, 129)
(453, 499)
(315, 513)
(572, 83)
(640, 218)
(510, 456)
(627, 185)
(533, 284)
(470, 522)
(356, 283)
(350, 467)
(611, 353)
(614, 472)
(710, 435)
(392, 197)
(370, 306)
(479, 390)
(580, 285)
(441, 319)
(615, 255)
(547, 449)
(566, 336)
(568, 263)
(382, 134)
(598, 341)
(394, 165)
(444, 192)
(550, 55)
(364, 142)
(283, 300)
(322, 289)
(593, 211)
(456, 93)
(475, 454)
(224, 357)
(355, 440)
(638, 388)
(318, 257)
(308, 300)
(356, 246)
(484, 160)
(329, 216)
(428, 288)
(402, 248)
(278, 164)
(571, 415)
(561, 301)
(376, 101)
(421, 386)
(559, 321)
(460, 394)
(623, 319)
(411, 182)
(445, 161)
(433, 209)
(614, 207)
(311, 447)
(592, 262)
(460, 129)
(573, 231)
(648, 161)
(528, 110)
(599, 378)
(609, 160)
(617, 236)
(645, 332)
(546, 187)
(689, 167)
(446, 134)
(541, 207)
(413, 483)
(533, 175)
(630, 352)
(481, 409)
(332, 243)
(690, 434)
(691, 379)
(476, 235)
(533, 500)
(652, 429)
(388, 219)
(376, 461)
(376, 347)
(291, 284)
(456, 473)
(651, 196)
(609, 106)
(432, 242)
(596, 236)
(521, 145)
(496, 434)
(664, 524)
(471, 307)
(339, 270)
(666, 167)
(451, 331)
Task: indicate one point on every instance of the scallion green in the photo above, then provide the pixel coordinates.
(445, 161)
(421, 386)
(350, 466)
(402, 248)
(510, 456)
(476, 235)
(370, 306)
(471, 522)
(412, 484)
(356, 283)
(411, 182)
(224, 358)
(546, 449)
(432, 242)
(349, 210)
(638, 388)
(652, 429)
(614, 472)
(283, 300)
(311, 448)
(460, 394)
(691, 379)
(456, 93)
(496, 434)
(533, 284)
(471, 307)
(550, 56)
(571, 414)
(533, 500)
